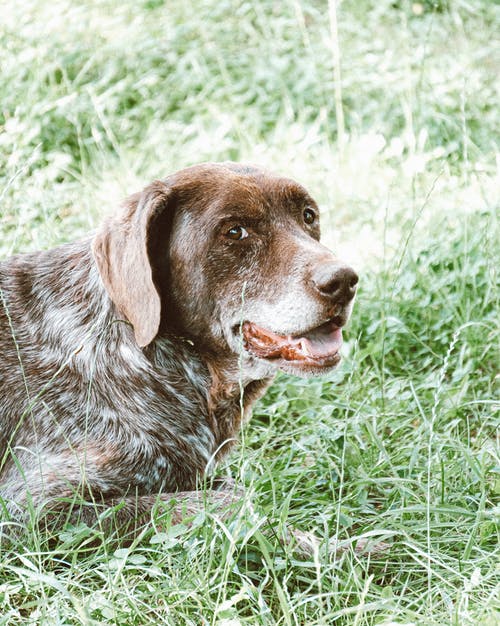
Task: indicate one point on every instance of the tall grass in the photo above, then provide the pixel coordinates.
(399, 445)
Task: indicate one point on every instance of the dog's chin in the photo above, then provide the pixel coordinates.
(307, 370)
(313, 352)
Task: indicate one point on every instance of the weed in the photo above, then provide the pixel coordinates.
(387, 111)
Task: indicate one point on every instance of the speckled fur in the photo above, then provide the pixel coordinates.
(106, 391)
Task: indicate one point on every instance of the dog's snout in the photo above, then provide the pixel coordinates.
(335, 282)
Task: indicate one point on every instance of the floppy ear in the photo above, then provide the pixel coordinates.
(121, 251)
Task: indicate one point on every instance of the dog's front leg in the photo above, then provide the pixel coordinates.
(125, 517)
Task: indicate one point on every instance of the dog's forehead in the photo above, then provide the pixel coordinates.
(212, 188)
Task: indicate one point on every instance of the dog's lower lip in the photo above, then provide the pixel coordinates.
(317, 347)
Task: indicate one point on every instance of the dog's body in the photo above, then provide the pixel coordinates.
(129, 360)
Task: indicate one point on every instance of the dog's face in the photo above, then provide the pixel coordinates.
(235, 260)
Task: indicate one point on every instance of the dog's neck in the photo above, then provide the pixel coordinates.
(228, 386)
(230, 401)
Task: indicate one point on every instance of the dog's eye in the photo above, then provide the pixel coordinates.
(309, 216)
(237, 233)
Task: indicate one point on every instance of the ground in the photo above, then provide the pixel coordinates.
(387, 110)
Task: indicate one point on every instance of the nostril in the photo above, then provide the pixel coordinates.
(335, 282)
(331, 287)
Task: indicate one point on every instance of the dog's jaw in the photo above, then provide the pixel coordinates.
(305, 353)
(317, 347)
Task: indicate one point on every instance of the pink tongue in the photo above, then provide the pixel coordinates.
(319, 342)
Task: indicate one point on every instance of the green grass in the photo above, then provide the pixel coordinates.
(400, 444)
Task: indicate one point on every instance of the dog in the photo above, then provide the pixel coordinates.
(130, 359)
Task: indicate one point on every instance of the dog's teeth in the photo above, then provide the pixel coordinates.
(304, 347)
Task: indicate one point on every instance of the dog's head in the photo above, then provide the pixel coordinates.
(229, 257)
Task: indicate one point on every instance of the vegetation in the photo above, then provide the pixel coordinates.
(387, 111)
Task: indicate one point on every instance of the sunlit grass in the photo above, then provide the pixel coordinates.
(400, 444)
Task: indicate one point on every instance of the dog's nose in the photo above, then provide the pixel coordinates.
(337, 282)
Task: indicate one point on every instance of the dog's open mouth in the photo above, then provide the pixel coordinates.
(317, 347)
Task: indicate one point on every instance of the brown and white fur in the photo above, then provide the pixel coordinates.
(123, 357)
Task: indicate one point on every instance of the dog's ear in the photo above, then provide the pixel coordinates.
(121, 250)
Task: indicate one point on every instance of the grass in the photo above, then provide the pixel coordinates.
(400, 444)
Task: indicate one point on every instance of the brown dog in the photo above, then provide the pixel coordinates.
(129, 360)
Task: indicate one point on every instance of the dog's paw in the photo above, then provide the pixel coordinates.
(308, 545)
(303, 544)
(371, 546)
